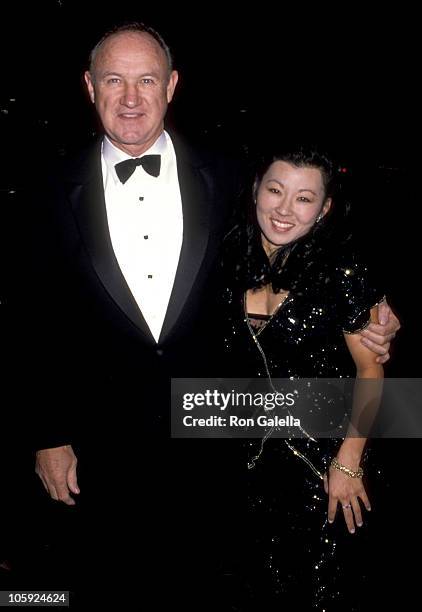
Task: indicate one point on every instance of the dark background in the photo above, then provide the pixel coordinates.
(344, 79)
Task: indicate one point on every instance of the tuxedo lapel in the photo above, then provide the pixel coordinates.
(85, 190)
(196, 213)
(86, 194)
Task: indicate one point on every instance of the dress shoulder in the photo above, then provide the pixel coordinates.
(358, 289)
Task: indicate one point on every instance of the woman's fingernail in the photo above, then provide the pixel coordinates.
(352, 531)
(359, 524)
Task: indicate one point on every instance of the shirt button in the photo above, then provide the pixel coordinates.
(160, 352)
(145, 237)
(149, 275)
(141, 198)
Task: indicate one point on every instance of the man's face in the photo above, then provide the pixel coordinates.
(131, 89)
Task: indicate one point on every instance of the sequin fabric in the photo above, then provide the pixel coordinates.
(296, 557)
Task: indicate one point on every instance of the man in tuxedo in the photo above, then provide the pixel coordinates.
(134, 226)
(131, 235)
(137, 221)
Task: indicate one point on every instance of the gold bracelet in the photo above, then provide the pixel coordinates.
(342, 468)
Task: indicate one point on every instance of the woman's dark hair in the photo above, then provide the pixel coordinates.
(244, 256)
(301, 157)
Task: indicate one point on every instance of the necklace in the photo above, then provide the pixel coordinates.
(294, 450)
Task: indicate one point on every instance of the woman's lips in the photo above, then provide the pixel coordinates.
(281, 226)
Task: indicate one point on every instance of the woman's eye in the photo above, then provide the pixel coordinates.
(274, 190)
(303, 199)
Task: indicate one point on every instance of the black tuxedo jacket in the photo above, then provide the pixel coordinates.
(93, 376)
(97, 362)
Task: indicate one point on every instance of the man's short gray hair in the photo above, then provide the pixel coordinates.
(133, 26)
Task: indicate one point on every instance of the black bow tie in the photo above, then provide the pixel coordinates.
(150, 163)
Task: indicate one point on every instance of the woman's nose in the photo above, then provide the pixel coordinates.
(285, 206)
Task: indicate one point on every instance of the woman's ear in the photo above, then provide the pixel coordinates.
(255, 190)
(326, 207)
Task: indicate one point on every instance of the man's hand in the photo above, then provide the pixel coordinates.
(57, 469)
(377, 337)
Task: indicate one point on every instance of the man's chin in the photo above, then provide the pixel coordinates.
(134, 144)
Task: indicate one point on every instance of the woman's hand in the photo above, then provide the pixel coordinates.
(344, 490)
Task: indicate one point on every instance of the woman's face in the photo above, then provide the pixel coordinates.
(289, 201)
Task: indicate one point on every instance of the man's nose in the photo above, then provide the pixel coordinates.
(131, 96)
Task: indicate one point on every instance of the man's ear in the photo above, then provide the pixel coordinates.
(171, 86)
(90, 85)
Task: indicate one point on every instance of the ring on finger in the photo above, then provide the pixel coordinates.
(345, 506)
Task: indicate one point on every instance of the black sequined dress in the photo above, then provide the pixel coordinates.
(295, 556)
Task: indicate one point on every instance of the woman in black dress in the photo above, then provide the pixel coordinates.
(296, 295)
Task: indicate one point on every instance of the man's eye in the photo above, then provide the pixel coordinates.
(147, 81)
(113, 80)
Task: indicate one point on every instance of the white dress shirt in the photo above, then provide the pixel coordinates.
(145, 221)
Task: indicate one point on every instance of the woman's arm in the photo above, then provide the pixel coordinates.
(341, 487)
